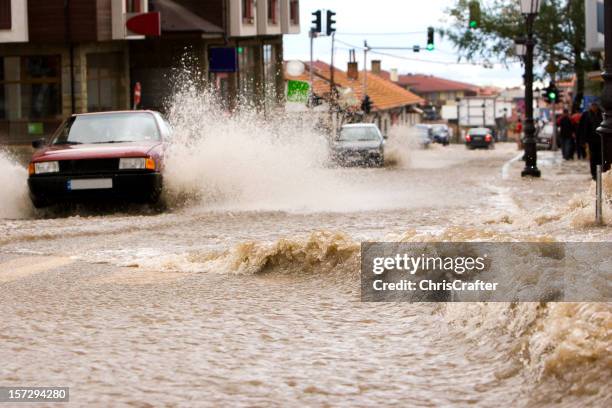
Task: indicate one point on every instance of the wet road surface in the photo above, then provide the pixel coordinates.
(256, 302)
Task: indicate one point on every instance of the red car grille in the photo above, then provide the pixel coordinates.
(89, 166)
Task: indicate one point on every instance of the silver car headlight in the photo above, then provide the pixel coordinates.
(46, 167)
(132, 163)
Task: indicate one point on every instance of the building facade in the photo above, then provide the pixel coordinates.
(392, 105)
(59, 57)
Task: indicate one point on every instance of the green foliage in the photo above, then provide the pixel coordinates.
(559, 32)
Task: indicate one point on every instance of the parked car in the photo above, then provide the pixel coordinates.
(479, 138)
(440, 133)
(100, 155)
(360, 143)
(424, 135)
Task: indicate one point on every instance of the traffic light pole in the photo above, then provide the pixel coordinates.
(555, 134)
(311, 34)
(531, 158)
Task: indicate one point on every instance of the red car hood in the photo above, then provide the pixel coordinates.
(95, 151)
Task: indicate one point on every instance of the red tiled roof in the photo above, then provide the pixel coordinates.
(383, 93)
(421, 84)
(489, 91)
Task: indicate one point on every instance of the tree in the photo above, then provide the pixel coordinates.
(559, 30)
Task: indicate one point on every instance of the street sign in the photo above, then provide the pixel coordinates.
(294, 68)
(148, 24)
(35, 128)
(297, 91)
(223, 59)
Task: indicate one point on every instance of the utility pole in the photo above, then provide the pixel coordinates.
(365, 68)
(554, 115)
(605, 130)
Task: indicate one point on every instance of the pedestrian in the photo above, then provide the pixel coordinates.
(589, 122)
(566, 135)
(579, 139)
(518, 130)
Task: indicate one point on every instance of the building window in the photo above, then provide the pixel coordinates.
(248, 12)
(294, 12)
(5, 15)
(133, 6)
(273, 11)
(30, 87)
(270, 72)
(246, 68)
(104, 74)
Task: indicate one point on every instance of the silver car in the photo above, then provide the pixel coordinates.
(360, 143)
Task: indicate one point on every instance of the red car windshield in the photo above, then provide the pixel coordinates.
(108, 128)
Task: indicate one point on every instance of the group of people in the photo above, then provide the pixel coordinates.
(579, 130)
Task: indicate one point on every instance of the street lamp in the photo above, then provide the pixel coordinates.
(519, 48)
(605, 130)
(529, 9)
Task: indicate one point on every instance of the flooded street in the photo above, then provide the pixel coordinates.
(255, 301)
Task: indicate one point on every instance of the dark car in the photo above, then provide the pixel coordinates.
(360, 143)
(100, 155)
(441, 134)
(479, 138)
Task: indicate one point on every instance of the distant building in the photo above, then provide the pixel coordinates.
(437, 91)
(391, 104)
(59, 57)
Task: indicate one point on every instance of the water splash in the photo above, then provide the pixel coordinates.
(250, 160)
(14, 201)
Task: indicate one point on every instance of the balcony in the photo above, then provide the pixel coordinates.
(290, 16)
(13, 21)
(121, 11)
(269, 17)
(243, 18)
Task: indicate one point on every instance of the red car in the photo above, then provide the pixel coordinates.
(100, 155)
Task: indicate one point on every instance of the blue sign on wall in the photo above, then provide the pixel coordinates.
(223, 59)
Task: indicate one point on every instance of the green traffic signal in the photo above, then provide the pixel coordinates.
(430, 38)
(475, 14)
(552, 96)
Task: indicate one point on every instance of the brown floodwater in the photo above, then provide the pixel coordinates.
(250, 296)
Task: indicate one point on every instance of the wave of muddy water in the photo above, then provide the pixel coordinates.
(249, 295)
(247, 307)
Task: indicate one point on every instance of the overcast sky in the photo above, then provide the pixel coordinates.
(393, 16)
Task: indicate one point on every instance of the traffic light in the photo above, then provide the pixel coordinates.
(366, 104)
(330, 22)
(316, 23)
(551, 93)
(474, 21)
(430, 39)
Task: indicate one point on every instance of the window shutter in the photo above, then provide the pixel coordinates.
(5, 15)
